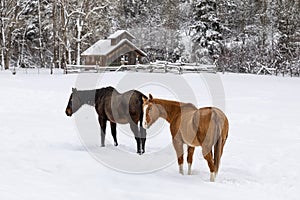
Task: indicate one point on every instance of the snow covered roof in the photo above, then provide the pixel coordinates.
(113, 42)
(118, 33)
(104, 47)
(99, 48)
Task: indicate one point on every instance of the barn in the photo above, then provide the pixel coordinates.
(111, 51)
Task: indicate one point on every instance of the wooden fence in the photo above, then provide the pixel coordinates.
(158, 67)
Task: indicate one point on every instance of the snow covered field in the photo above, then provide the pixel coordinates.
(44, 155)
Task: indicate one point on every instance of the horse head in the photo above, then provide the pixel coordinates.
(74, 102)
(151, 112)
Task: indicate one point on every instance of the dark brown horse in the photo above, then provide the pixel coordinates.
(206, 127)
(115, 107)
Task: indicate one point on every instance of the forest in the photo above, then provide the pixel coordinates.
(235, 35)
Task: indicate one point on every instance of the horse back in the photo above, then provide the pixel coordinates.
(103, 93)
(120, 107)
(102, 98)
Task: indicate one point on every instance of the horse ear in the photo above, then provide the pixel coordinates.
(150, 97)
(144, 99)
(74, 90)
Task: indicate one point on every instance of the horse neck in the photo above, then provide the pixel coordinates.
(168, 109)
(88, 97)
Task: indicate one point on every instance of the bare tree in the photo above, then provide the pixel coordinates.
(55, 42)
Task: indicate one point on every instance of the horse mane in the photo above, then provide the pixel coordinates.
(85, 96)
(102, 92)
(139, 93)
(174, 103)
(171, 102)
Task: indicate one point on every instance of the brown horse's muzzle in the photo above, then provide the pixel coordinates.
(69, 112)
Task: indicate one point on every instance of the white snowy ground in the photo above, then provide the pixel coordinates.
(42, 155)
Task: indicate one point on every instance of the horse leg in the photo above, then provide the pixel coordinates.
(113, 128)
(134, 128)
(102, 123)
(190, 159)
(143, 138)
(209, 158)
(142, 131)
(178, 145)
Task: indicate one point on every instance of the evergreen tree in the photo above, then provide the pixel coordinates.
(289, 29)
(185, 16)
(208, 32)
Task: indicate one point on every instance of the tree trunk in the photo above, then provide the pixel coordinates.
(66, 49)
(63, 30)
(79, 29)
(2, 47)
(2, 36)
(6, 60)
(40, 37)
(55, 43)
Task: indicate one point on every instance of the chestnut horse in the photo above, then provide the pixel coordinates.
(206, 127)
(115, 107)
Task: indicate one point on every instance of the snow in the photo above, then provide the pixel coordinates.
(44, 155)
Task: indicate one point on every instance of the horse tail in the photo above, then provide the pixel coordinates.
(217, 156)
(221, 133)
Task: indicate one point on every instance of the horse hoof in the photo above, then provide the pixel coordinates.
(102, 145)
(139, 152)
(116, 144)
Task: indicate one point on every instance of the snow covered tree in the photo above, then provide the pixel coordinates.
(91, 18)
(227, 12)
(18, 31)
(289, 28)
(10, 29)
(128, 14)
(208, 32)
(23, 44)
(247, 43)
(154, 23)
(186, 16)
(80, 23)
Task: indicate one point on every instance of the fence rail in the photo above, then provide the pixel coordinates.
(158, 67)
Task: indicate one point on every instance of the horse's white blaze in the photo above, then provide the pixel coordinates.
(144, 117)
